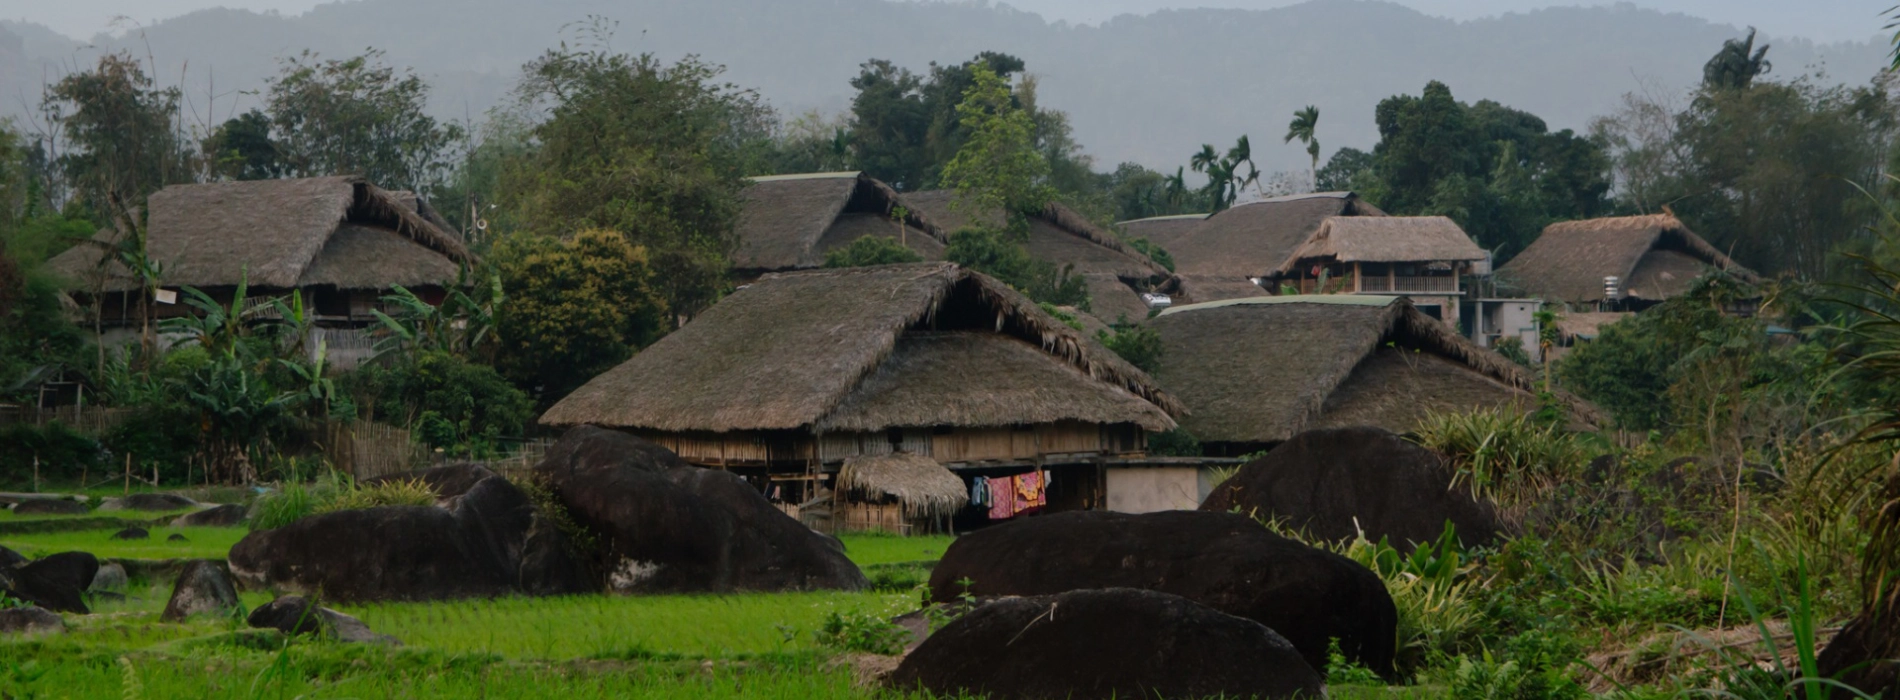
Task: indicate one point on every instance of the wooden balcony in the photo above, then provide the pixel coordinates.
(1409, 285)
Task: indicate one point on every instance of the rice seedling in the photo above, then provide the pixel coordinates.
(199, 543)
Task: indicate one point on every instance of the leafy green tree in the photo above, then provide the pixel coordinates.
(1438, 156)
(462, 407)
(575, 309)
(652, 151)
(1349, 169)
(1737, 65)
(871, 250)
(1304, 123)
(890, 123)
(121, 133)
(355, 116)
(241, 148)
(998, 169)
(1139, 345)
(1001, 255)
(1225, 179)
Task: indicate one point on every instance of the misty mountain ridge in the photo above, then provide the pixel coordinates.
(1148, 88)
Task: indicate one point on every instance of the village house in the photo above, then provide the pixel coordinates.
(1226, 255)
(340, 243)
(791, 222)
(789, 379)
(1164, 231)
(1255, 372)
(1116, 275)
(1625, 263)
(1422, 258)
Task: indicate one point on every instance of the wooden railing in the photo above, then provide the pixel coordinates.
(1409, 285)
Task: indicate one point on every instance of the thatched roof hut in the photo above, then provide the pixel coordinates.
(790, 222)
(1216, 259)
(281, 234)
(1163, 231)
(1587, 325)
(924, 488)
(1385, 239)
(1112, 270)
(869, 349)
(1258, 371)
(1655, 257)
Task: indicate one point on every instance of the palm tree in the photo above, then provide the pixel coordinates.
(1302, 127)
(1174, 188)
(1224, 178)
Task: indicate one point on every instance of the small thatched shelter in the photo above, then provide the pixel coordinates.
(790, 222)
(1255, 372)
(1115, 273)
(899, 492)
(1654, 257)
(801, 371)
(340, 242)
(1249, 241)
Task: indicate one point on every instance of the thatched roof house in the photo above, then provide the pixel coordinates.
(338, 232)
(790, 222)
(1654, 257)
(811, 368)
(1218, 258)
(1255, 372)
(1116, 274)
(1163, 231)
(896, 492)
(1385, 239)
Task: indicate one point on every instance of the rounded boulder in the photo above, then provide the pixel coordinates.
(1101, 644)
(1225, 561)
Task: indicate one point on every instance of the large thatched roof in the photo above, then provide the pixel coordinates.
(789, 222)
(1386, 239)
(1163, 231)
(277, 233)
(1254, 239)
(925, 488)
(1262, 370)
(1654, 256)
(866, 349)
(1058, 235)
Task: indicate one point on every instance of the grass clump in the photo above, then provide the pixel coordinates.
(294, 501)
(1502, 454)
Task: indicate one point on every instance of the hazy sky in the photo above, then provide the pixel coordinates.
(1824, 20)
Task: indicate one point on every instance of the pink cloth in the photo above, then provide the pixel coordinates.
(1002, 498)
(1030, 494)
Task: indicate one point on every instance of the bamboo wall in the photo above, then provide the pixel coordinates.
(1026, 443)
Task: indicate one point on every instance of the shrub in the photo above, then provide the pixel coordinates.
(1533, 666)
(290, 503)
(1139, 345)
(387, 493)
(459, 406)
(62, 452)
(1174, 443)
(872, 250)
(863, 632)
(1504, 455)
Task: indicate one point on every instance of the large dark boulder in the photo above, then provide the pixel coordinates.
(1334, 484)
(1224, 561)
(50, 506)
(1866, 654)
(10, 558)
(56, 582)
(1115, 643)
(493, 543)
(202, 588)
(667, 526)
(156, 502)
(227, 515)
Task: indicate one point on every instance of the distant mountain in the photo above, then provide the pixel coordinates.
(1149, 88)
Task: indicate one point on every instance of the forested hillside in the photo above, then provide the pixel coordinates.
(1146, 88)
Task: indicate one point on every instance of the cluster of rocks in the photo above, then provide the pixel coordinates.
(621, 514)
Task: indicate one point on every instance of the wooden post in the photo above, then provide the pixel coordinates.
(128, 473)
(36, 472)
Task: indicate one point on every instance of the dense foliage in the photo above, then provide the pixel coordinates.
(872, 250)
(579, 307)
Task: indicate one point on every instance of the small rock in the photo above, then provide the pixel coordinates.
(131, 533)
(110, 579)
(30, 620)
(176, 538)
(227, 515)
(203, 587)
(293, 614)
(50, 506)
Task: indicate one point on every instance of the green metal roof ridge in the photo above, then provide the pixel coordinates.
(1333, 299)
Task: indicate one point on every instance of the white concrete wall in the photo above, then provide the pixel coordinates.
(1153, 489)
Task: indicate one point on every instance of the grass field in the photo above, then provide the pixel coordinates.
(201, 543)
